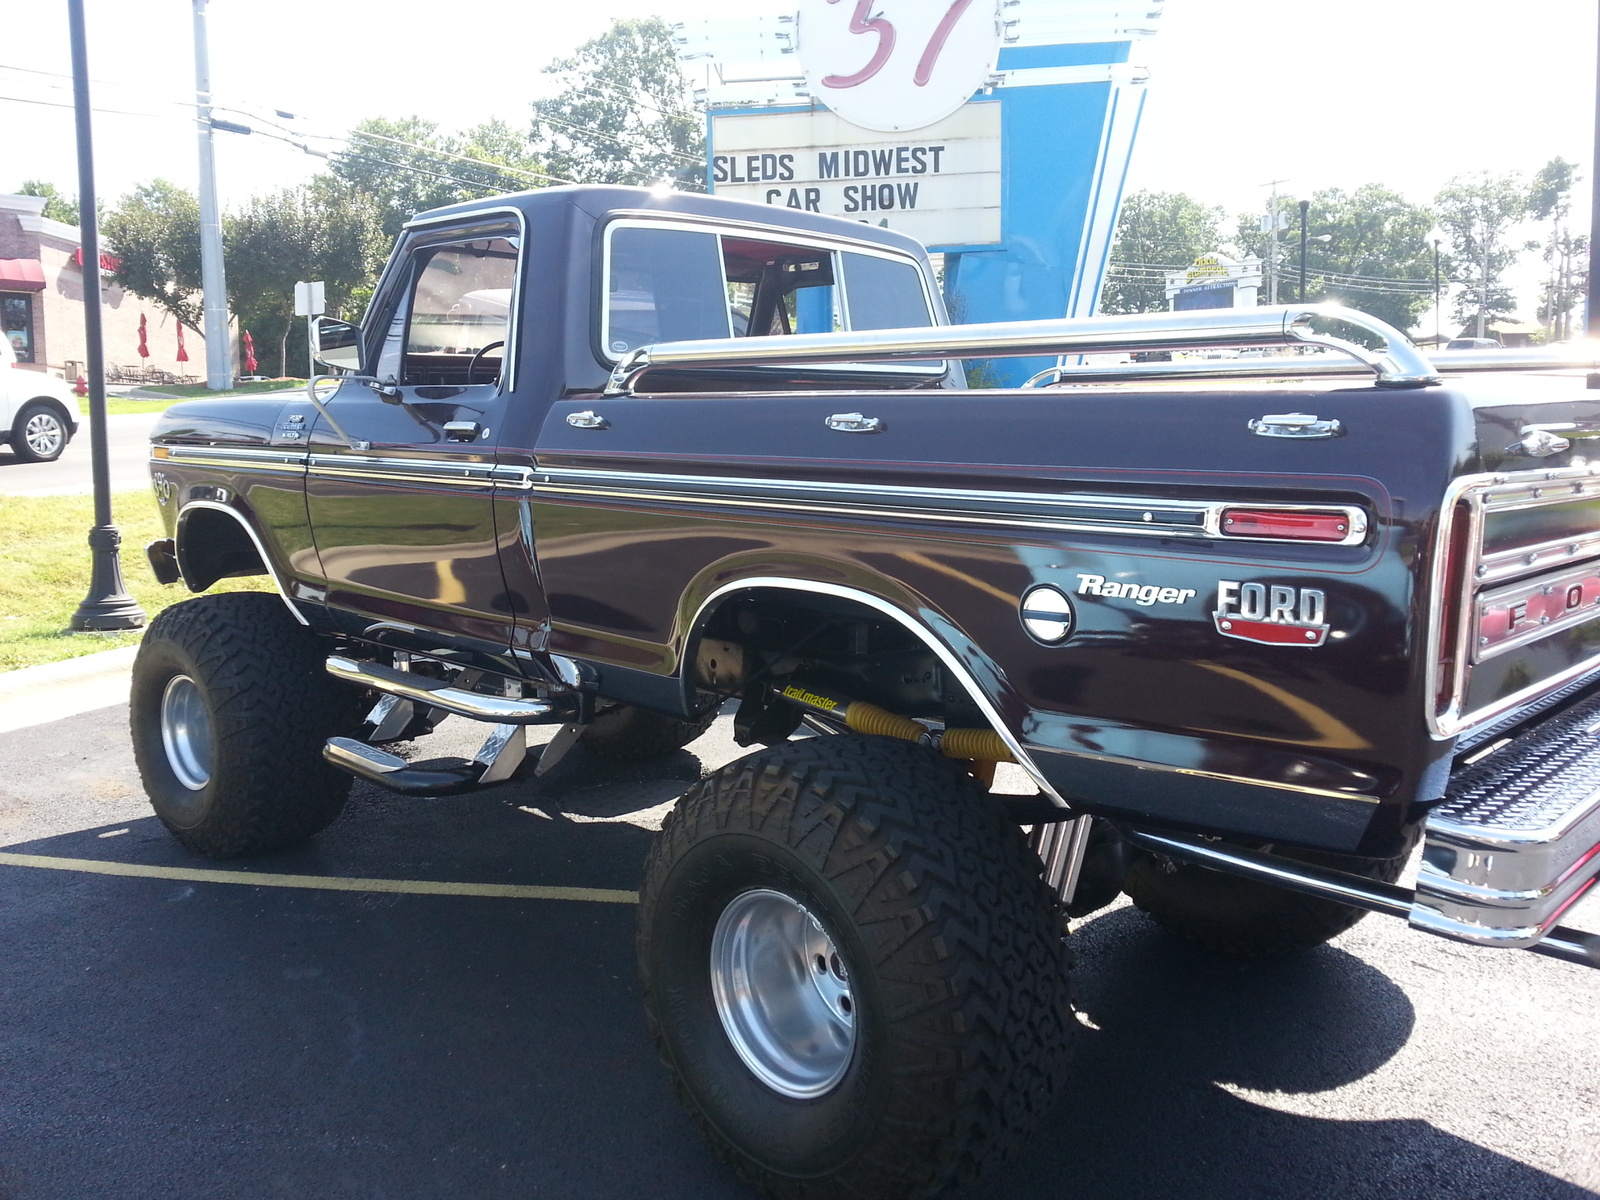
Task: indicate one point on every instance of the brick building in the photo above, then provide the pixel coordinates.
(41, 302)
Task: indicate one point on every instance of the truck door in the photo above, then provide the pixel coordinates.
(404, 517)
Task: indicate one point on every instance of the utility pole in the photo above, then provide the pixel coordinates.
(108, 605)
(213, 280)
(1305, 207)
(1272, 246)
(1483, 296)
(1437, 316)
(1592, 306)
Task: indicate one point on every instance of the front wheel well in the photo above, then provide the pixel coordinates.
(213, 545)
(50, 402)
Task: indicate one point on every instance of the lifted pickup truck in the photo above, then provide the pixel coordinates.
(605, 459)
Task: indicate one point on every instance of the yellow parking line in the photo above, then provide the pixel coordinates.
(326, 883)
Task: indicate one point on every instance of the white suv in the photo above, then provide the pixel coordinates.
(39, 413)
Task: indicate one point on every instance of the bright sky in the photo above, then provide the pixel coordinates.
(1337, 93)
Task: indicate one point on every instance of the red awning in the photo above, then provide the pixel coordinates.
(21, 275)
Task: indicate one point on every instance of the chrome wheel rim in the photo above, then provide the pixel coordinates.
(43, 433)
(186, 732)
(782, 991)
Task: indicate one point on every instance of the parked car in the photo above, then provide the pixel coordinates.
(39, 413)
(1473, 344)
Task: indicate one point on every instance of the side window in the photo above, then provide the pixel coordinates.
(884, 293)
(16, 325)
(452, 324)
(776, 289)
(663, 285)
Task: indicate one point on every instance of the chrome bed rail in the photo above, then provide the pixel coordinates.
(1399, 364)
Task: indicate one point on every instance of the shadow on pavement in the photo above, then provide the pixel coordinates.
(1146, 1115)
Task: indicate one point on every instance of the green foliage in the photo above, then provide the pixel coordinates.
(57, 205)
(1156, 231)
(1479, 212)
(1550, 199)
(327, 230)
(1378, 259)
(428, 172)
(625, 114)
(155, 232)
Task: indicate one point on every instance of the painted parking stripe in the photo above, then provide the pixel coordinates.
(326, 883)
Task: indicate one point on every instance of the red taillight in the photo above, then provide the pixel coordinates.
(1286, 524)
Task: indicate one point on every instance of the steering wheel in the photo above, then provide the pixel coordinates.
(473, 365)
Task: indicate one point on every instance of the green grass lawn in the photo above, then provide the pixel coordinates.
(44, 574)
(188, 391)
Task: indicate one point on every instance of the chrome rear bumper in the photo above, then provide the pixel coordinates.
(1516, 842)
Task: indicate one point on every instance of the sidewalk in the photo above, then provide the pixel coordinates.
(38, 695)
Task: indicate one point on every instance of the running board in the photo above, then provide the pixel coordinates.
(502, 753)
(1569, 945)
(499, 710)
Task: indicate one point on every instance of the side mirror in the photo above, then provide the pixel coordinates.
(338, 344)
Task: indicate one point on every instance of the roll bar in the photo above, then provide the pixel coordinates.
(1398, 365)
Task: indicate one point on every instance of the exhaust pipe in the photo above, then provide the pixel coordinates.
(1569, 945)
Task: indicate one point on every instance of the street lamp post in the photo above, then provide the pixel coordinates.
(108, 606)
(1436, 336)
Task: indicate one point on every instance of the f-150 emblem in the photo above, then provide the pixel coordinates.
(1272, 614)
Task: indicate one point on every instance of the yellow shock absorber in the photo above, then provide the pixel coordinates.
(985, 745)
(869, 718)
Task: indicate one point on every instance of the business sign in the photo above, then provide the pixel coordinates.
(940, 183)
(897, 65)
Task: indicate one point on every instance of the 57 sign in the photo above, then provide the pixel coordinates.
(896, 65)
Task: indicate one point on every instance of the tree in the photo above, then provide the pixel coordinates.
(57, 206)
(1550, 199)
(1479, 213)
(327, 230)
(155, 234)
(1156, 232)
(626, 113)
(407, 166)
(1378, 257)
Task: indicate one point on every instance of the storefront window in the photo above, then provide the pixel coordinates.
(16, 322)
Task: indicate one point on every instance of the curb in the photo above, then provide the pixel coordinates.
(37, 695)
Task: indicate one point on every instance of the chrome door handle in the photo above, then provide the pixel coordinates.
(464, 431)
(587, 419)
(854, 423)
(1295, 425)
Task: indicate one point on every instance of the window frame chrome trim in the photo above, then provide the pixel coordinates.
(720, 227)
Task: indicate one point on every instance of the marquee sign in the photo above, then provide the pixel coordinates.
(940, 183)
(896, 65)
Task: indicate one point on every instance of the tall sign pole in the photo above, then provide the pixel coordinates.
(213, 281)
(108, 605)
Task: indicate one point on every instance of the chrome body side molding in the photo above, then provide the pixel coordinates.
(1066, 511)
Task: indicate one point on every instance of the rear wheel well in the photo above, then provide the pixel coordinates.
(212, 545)
(756, 638)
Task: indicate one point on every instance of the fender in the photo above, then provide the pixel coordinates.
(919, 625)
(255, 539)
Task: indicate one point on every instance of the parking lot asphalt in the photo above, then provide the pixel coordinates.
(128, 457)
(167, 1036)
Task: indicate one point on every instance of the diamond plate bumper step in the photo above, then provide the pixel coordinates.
(1516, 841)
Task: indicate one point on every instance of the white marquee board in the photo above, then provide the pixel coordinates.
(940, 184)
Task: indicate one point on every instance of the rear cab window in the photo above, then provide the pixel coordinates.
(675, 282)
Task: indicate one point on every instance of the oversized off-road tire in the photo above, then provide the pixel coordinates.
(853, 970)
(1242, 917)
(629, 734)
(231, 706)
(39, 433)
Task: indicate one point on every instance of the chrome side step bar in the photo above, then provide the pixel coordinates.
(1569, 945)
(498, 710)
